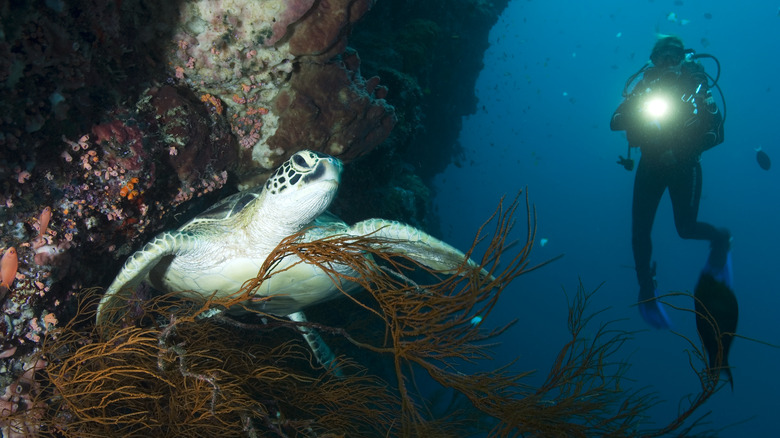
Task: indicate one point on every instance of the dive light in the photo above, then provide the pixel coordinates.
(657, 107)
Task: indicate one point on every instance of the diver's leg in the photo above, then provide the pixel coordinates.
(685, 192)
(649, 187)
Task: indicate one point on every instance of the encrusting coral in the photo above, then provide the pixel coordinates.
(164, 370)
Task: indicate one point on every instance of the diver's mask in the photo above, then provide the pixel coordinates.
(668, 55)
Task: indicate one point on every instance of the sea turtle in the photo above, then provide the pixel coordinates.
(217, 251)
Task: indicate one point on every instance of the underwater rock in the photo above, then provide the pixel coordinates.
(238, 56)
(293, 10)
(430, 55)
(330, 108)
(64, 64)
(196, 144)
(322, 32)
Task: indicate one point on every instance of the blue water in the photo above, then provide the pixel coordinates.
(552, 78)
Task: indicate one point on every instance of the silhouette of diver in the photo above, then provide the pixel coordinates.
(672, 117)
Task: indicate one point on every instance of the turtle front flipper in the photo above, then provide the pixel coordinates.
(415, 244)
(138, 266)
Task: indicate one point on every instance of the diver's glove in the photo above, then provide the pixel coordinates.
(627, 163)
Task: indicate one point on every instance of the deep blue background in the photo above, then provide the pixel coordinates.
(552, 78)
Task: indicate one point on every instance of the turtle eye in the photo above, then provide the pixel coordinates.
(299, 161)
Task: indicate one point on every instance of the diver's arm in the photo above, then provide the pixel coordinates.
(623, 116)
(624, 119)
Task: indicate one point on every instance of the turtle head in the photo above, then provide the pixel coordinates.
(304, 186)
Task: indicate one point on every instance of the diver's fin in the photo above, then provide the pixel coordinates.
(653, 312)
(650, 308)
(719, 260)
(717, 313)
(720, 271)
(728, 375)
(722, 368)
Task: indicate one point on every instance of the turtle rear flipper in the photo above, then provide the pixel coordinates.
(319, 348)
(138, 266)
(416, 244)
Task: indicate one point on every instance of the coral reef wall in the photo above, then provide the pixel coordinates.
(429, 55)
(119, 119)
(122, 118)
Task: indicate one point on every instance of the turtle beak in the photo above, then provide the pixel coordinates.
(318, 188)
(328, 169)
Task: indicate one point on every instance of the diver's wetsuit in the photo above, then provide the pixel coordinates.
(670, 157)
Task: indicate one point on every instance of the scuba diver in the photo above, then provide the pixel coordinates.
(672, 117)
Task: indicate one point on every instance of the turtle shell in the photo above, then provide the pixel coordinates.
(226, 208)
